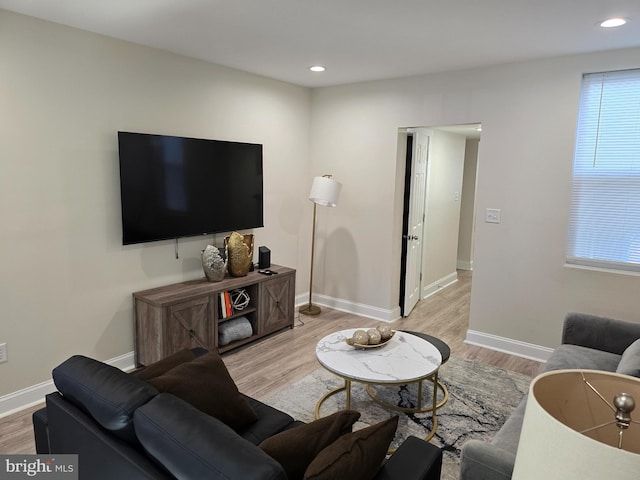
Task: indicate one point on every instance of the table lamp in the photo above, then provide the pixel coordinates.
(579, 424)
(325, 192)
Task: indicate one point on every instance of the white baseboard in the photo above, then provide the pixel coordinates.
(375, 313)
(508, 345)
(33, 395)
(464, 265)
(444, 282)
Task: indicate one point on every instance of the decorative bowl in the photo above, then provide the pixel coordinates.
(377, 345)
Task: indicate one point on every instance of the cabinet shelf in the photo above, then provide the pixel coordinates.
(238, 313)
(186, 315)
(238, 343)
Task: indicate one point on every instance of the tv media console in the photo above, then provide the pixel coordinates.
(188, 314)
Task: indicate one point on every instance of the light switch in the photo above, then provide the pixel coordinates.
(492, 215)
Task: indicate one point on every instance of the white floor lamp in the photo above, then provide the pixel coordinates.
(325, 192)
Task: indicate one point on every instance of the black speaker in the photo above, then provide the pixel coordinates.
(264, 257)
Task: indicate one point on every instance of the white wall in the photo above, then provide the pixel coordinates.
(467, 205)
(442, 212)
(349, 136)
(521, 288)
(66, 278)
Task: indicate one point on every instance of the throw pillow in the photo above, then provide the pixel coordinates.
(356, 456)
(206, 384)
(630, 361)
(296, 448)
(163, 366)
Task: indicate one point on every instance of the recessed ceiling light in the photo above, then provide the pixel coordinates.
(317, 68)
(613, 22)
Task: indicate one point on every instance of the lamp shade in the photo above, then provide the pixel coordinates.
(561, 404)
(325, 191)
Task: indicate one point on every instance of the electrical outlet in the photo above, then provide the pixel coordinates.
(3, 352)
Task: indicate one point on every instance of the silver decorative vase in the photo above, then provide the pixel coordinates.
(213, 264)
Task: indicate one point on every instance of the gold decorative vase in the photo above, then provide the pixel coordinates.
(239, 253)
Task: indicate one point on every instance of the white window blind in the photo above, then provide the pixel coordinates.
(604, 224)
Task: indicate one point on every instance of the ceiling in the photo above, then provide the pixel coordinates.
(357, 40)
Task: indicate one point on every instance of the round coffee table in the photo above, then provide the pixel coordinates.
(445, 351)
(404, 359)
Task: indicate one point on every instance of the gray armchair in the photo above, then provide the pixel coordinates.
(588, 342)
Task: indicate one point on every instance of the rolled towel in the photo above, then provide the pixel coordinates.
(233, 330)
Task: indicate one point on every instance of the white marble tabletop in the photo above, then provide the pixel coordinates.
(405, 358)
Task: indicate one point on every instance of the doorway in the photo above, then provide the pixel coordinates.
(415, 192)
(435, 246)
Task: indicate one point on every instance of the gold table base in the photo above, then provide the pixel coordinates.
(419, 409)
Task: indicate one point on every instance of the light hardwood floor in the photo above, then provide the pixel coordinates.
(263, 368)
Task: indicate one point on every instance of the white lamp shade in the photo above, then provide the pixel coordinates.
(561, 405)
(325, 191)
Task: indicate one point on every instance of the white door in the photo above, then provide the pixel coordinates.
(413, 238)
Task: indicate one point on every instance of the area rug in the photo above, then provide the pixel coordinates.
(481, 398)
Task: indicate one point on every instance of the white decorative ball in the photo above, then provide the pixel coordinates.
(240, 299)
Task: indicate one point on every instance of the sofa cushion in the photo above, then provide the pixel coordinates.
(162, 366)
(356, 456)
(563, 357)
(482, 461)
(270, 421)
(508, 436)
(191, 444)
(295, 448)
(206, 384)
(574, 356)
(601, 333)
(106, 393)
(630, 360)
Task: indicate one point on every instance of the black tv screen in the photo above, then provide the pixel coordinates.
(174, 187)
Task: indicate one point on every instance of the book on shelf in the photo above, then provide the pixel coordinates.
(226, 308)
(227, 303)
(223, 309)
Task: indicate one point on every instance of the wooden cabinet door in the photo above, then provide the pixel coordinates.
(276, 303)
(187, 325)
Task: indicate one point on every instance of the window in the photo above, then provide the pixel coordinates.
(604, 224)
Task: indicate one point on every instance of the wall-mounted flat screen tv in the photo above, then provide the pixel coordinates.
(172, 187)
